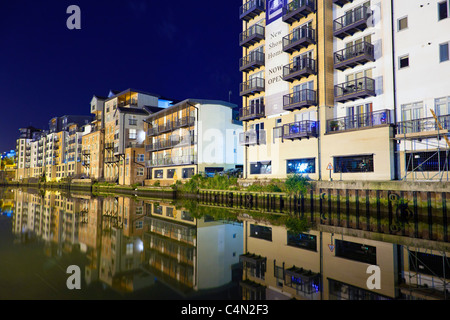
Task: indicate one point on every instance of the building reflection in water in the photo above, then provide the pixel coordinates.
(130, 243)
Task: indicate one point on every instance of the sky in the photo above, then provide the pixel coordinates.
(176, 49)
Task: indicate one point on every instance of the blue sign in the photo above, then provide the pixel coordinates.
(274, 10)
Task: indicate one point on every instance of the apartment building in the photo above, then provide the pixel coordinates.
(287, 85)
(92, 153)
(124, 128)
(358, 142)
(422, 68)
(22, 149)
(190, 137)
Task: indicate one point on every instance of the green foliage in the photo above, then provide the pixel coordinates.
(296, 185)
(297, 225)
(217, 182)
(157, 183)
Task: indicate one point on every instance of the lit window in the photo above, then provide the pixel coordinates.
(132, 134)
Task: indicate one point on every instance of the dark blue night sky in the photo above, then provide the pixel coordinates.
(177, 49)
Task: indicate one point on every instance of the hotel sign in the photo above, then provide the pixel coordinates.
(276, 58)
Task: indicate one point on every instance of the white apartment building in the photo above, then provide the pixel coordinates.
(422, 73)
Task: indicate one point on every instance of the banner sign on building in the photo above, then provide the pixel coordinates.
(276, 58)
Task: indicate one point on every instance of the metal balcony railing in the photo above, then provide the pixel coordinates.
(351, 22)
(356, 89)
(301, 99)
(301, 129)
(251, 9)
(252, 112)
(252, 86)
(252, 137)
(299, 38)
(423, 125)
(364, 120)
(354, 55)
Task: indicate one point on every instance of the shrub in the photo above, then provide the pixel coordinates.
(157, 183)
(297, 225)
(296, 185)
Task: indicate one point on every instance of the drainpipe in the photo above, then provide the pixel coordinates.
(396, 155)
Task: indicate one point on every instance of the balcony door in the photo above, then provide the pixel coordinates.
(302, 61)
(412, 113)
(301, 91)
(359, 116)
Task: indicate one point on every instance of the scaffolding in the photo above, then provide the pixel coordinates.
(426, 284)
(431, 161)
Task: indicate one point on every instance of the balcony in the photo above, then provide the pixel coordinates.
(251, 9)
(353, 90)
(252, 61)
(301, 99)
(300, 130)
(298, 9)
(165, 127)
(358, 54)
(110, 160)
(252, 137)
(174, 161)
(252, 86)
(109, 145)
(252, 112)
(360, 121)
(252, 35)
(302, 68)
(184, 122)
(353, 21)
(341, 3)
(128, 102)
(423, 127)
(150, 147)
(298, 39)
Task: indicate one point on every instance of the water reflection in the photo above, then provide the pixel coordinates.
(157, 249)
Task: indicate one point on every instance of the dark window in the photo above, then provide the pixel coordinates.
(342, 291)
(213, 170)
(427, 161)
(353, 164)
(187, 173)
(430, 264)
(186, 215)
(356, 251)
(443, 10)
(301, 166)
(443, 52)
(170, 173)
(404, 62)
(159, 174)
(261, 167)
(169, 212)
(402, 23)
(302, 240)
(261, 232)
(157, 209)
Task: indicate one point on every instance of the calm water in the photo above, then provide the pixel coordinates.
(135, 248)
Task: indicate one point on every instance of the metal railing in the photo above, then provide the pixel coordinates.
(253, 57)
(354, 86)
(252, 84)
(364, 120)
(305, 95)
(351, 17)
(296, 4)
(251, 5)
(423, 125)
(175, 160)
(299, 34)
(298, 65)
(305, 128)
(356, 50)
(256, 110)
(252, 31)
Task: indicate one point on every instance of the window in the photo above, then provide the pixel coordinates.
(187, 173)
(301, 166)
(402, 23)
(139, 224)
(442, 10)
(170, 173)
(129, 249)
(159, 174)
(140, 172)
(427, 161)
(353, 164)
(443, 52)
(140, 158)
(426, 263)
(302, 240)
(263, 167)
(261, 232)
(442, 106)
(132, 134)
(356, 251)
(403, 62)
(133, 120)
